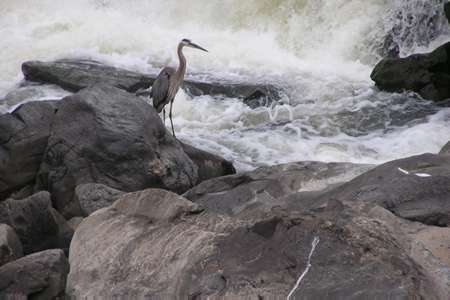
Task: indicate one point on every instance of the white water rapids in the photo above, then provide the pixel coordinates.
(321, 52)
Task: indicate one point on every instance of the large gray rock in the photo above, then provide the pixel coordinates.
(75, 75)
(93, 196)
(265, 186)
(37, 224)
(39, 275)
(105, 135)
(23, 139)
(426, 74)
(415, 188)
(10, 245)
(155, 244)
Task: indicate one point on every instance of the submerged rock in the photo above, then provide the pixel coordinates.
(426, 74)
(105, 135)
(10, 245)
(39, 275)
(23, 139)
(75, 75)
(37, 224)
(155, 244)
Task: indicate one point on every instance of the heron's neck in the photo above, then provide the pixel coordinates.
(182, 66)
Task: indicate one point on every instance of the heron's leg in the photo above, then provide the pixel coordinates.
(170, 117)
(164, 116)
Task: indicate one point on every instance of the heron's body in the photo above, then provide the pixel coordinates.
(169, 81)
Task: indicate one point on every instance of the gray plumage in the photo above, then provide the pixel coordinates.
(168, 82)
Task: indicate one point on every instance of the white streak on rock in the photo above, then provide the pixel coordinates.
(403, 171)
(314, 243)
(422, 175)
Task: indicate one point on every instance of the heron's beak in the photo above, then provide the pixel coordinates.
(197, 47)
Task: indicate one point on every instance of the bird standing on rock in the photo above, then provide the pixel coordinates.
(168, 82)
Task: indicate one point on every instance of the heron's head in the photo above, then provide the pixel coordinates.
(188, 43)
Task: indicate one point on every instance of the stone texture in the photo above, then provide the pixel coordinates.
(105, 135)
(410, 196)
(39, 275)
(265, 186)
(37, 224)
(10, 245)
(156, 244)
(75, 75)
(23, 139)
(93, 196)
(426, 74)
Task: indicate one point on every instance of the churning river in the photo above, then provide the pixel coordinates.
(320, 52)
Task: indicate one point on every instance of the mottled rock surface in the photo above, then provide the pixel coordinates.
(23, 139)
(10, 245)
(105, 135)
(37, 224)
(39, 275)
(93, 196)
(157, 244)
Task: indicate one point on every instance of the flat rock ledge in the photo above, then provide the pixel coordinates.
(74, 75)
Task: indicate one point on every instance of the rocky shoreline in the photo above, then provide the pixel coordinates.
(97, 178)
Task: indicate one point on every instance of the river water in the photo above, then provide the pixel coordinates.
(320, 52)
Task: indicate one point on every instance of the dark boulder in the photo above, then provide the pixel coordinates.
(155, 244)
(23, 139)
(37, 224)
(75, 75)
(426, 74)
(105, 135)
(265, 187)
(93, 196)
(415, 188)
(10, 245)
(209, 165)
(39, 275)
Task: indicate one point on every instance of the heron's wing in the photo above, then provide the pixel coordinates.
(160, 88)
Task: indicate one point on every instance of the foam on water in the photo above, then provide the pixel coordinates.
(321, 53)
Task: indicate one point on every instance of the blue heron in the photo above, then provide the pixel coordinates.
(168, 82)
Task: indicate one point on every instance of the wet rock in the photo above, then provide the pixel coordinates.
(37, 224)
(445, 150)
(105, 135)
(415, 188)
(23, 139)
(93, 196)
(209, 165)
(265, 187)
(10, 245)
(39, 275)
(75, 75)
(426, 74)
(156, 244)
